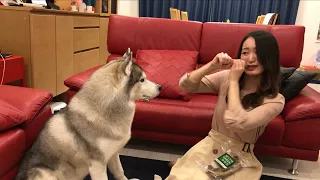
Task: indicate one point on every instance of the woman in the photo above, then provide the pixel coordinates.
(248, 100)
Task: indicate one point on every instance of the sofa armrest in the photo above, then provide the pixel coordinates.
(27, 100)
(76, 81)
(305, 106)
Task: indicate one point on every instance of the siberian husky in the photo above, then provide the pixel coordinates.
(86, 136)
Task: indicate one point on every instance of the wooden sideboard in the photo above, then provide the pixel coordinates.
(55, 44)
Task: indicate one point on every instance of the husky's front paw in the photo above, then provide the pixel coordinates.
(123, 177)
(157, 177)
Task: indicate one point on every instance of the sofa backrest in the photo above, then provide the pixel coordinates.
(152, 33)
(226, 37)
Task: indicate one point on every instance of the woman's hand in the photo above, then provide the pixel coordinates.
(237, 69)
(221, 60)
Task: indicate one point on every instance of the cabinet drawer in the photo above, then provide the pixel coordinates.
(79, 21)
(85, 60)
(84, 39)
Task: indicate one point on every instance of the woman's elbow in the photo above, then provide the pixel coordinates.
(237, 128)
(237, 124)
(184, 87)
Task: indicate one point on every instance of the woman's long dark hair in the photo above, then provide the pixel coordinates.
(268, 55)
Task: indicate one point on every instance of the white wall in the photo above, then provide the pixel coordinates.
(128, 7)
(309, 16)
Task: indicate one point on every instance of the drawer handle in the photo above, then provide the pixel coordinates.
(76, 52)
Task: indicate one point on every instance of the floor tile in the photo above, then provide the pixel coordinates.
(138, 153)
(157, 147)
(278, 167)
(174, 157)
(159, 156)
(313, 168)
(124, 151)
(269, 171)
(303, 174)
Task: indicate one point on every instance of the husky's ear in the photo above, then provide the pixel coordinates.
(127, 53)
(128, 64)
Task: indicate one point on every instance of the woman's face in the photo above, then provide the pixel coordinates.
(248, 54)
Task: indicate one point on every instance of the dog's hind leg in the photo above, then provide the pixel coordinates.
(115, 167)
(98, 170)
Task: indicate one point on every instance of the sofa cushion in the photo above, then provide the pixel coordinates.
(152, 33)
(10, 116)
(166, 67)
(291, 87)
(223, 37)
(286, 72)
(226, 37)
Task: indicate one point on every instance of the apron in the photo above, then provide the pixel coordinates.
(187, 167)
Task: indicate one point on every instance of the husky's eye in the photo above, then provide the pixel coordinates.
(141, 80)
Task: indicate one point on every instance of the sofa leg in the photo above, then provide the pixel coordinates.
(294, 170)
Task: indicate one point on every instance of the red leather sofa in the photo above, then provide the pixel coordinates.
(293, 134)
(23, 112)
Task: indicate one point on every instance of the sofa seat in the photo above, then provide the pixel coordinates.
(164, 115)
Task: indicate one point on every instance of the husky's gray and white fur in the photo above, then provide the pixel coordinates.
(86, 136)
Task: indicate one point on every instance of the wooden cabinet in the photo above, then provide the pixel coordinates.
(80, 21)
(64, 50)
(43, 52)
(84, 39)
(54, 44)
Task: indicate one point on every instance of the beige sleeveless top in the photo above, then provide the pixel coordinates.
(242, 125)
